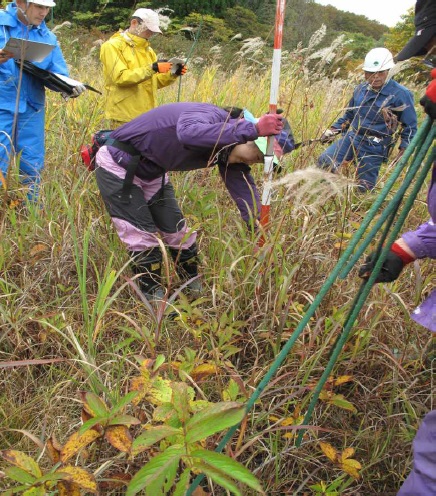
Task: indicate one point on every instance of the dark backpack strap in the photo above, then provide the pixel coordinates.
(128, 180)
(123, 146)
(131, 166)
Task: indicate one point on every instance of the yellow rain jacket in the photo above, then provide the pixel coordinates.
(131, 84)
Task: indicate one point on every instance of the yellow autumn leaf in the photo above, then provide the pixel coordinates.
(342, 379)
(137, 384)
(273, 418)
(351, 467)
(23, 461)
(329, 451)
(347, 453)
(160, 391)
(204, 370)
(76, 442)
(341, 234)
(79, 476)
(325, 395)
(287, 421)
(119, 437)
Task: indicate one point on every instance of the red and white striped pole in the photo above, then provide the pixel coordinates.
(275, 80)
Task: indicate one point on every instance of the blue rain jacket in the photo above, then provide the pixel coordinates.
(364, 112)
(32, 91)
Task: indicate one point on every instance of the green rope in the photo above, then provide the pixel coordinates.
(422, 141)
(367, 285)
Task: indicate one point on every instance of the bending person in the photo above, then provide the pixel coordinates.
(177, 137)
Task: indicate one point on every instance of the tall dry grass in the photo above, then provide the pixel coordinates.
(66, 295)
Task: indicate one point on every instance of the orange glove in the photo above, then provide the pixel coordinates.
(162, 66)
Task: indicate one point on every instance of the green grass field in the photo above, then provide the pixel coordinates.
(66, 298)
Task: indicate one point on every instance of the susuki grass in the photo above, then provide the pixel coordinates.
(66, 293)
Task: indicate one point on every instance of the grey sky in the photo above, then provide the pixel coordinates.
(385, 11)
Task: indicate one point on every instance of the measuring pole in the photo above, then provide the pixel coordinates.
(275, 79)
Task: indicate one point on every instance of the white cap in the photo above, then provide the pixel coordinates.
(378, 59)
(44, 3)
(150, 18)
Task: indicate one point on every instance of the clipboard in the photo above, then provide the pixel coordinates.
(53, 81)
(28, 50)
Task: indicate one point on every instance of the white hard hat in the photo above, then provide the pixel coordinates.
(378, 59)
(44, 3)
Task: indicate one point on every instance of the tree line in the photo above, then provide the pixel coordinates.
(250, 18)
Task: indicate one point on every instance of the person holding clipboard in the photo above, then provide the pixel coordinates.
(22, 95)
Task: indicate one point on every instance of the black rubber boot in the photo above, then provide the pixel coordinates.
(149, 265)
(186, 262)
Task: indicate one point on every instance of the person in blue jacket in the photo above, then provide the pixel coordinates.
(22, 96)
(378, 106)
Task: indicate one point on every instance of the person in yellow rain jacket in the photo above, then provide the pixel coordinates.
(132, 73)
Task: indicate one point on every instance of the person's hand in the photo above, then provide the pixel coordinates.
(397, 258)
(5, 56)
(78, 90)
(428, 101)
(161, 66)
(328, 135)
(181, 70)
(269, 125)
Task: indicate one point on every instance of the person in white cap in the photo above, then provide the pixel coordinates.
(22, 96)
(377, 108)
(132, 73)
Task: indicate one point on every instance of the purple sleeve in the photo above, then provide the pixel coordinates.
(422, 478)
(242, 188)
(422, 241)
(211, 128)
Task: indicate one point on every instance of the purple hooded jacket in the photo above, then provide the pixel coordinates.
(422, 479)
(187, 136)
(422, 242)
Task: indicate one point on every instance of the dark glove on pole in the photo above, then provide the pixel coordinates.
(181, 70)
(396, 260)
(428, 101)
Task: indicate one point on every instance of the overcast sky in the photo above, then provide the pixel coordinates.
(385, 11)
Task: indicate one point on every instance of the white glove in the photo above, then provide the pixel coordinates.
(328, 135)
(78, 90)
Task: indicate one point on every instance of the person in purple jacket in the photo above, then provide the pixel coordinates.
(420, 243)
(177, 137)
